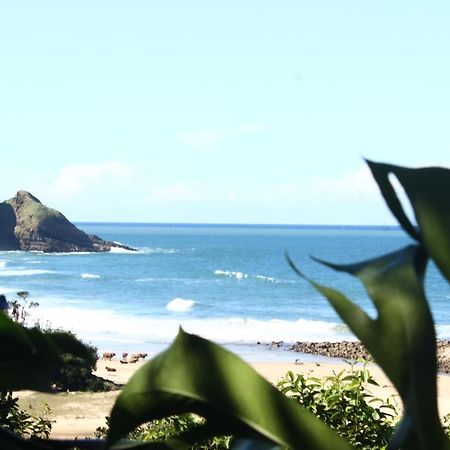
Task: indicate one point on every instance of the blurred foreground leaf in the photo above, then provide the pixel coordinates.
(401, 339)
(428, 190)
(195, 375)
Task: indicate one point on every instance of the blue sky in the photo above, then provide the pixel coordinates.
(234, 112)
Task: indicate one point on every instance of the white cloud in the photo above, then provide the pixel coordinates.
(74, 179)
(350, 186)
(174, 193)
(206, 140)
(357, 185)
(354, 186)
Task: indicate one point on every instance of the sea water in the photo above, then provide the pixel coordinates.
(230, 284)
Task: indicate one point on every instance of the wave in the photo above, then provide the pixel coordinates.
(51, 255)
(24, 272)
(228, 273)
(443, 331)
(180, 304)
(101, 325)
(90, 276)
(266, 278)
(241, 275)
(4, 290)
(122, 250)
(3, 264)
(159, 250)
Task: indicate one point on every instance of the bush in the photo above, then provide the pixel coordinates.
(344, 403)
(168, 427)
(19, 421)
(76, 372)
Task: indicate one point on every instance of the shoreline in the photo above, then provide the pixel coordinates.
(78, 414)
(336, 352)
(352, 350)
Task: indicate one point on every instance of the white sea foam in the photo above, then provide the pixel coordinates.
(241, 275)
(50, 255)
(99, 326)
(266, 278)
(4, 290)
(180, 304)
(159, 250)
(228, 273)
(90, 276)
(2, 264)
(443, 331)
(121, 250)
(23, 272)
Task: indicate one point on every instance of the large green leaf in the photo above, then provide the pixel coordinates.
(195, 375)
(428, 190)
(401, 338)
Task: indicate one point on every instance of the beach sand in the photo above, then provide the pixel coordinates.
(78, 414)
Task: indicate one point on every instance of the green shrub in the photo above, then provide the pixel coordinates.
(169, 427)
(13, 419)
(76, 372)
(344, 402)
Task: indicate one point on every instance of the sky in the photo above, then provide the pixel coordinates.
(220, 112)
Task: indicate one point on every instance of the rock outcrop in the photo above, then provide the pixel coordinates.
(352, 350)
(27, 224)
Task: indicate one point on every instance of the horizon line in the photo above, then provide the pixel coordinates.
(235, 224)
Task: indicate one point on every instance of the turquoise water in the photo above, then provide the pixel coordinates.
(230, 284)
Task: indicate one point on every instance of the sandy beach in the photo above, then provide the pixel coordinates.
(78, 414)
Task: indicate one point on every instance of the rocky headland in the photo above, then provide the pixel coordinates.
(27, 224)
(352, 350)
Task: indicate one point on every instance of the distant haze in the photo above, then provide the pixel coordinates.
(220, 112)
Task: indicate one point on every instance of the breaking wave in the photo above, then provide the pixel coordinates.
(242, 275)
(122, 250)
(159, 250)
(24, 272)
(90, 276)
(101, 325)
(180, 304)
(231, 274)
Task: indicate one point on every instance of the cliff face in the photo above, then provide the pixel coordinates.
(27, 224)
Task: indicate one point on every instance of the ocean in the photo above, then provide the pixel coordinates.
(228, 283)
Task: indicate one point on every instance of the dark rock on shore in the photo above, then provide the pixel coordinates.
(443, 356)
(27, 224)
(352, 350)
(343, 349)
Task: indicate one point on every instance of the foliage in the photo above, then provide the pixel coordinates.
(446, 424)
(169, 427)
(14, 419)
(197, 376)
(344, 402)
(18, 308)
(76, 372)
(402, 338)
